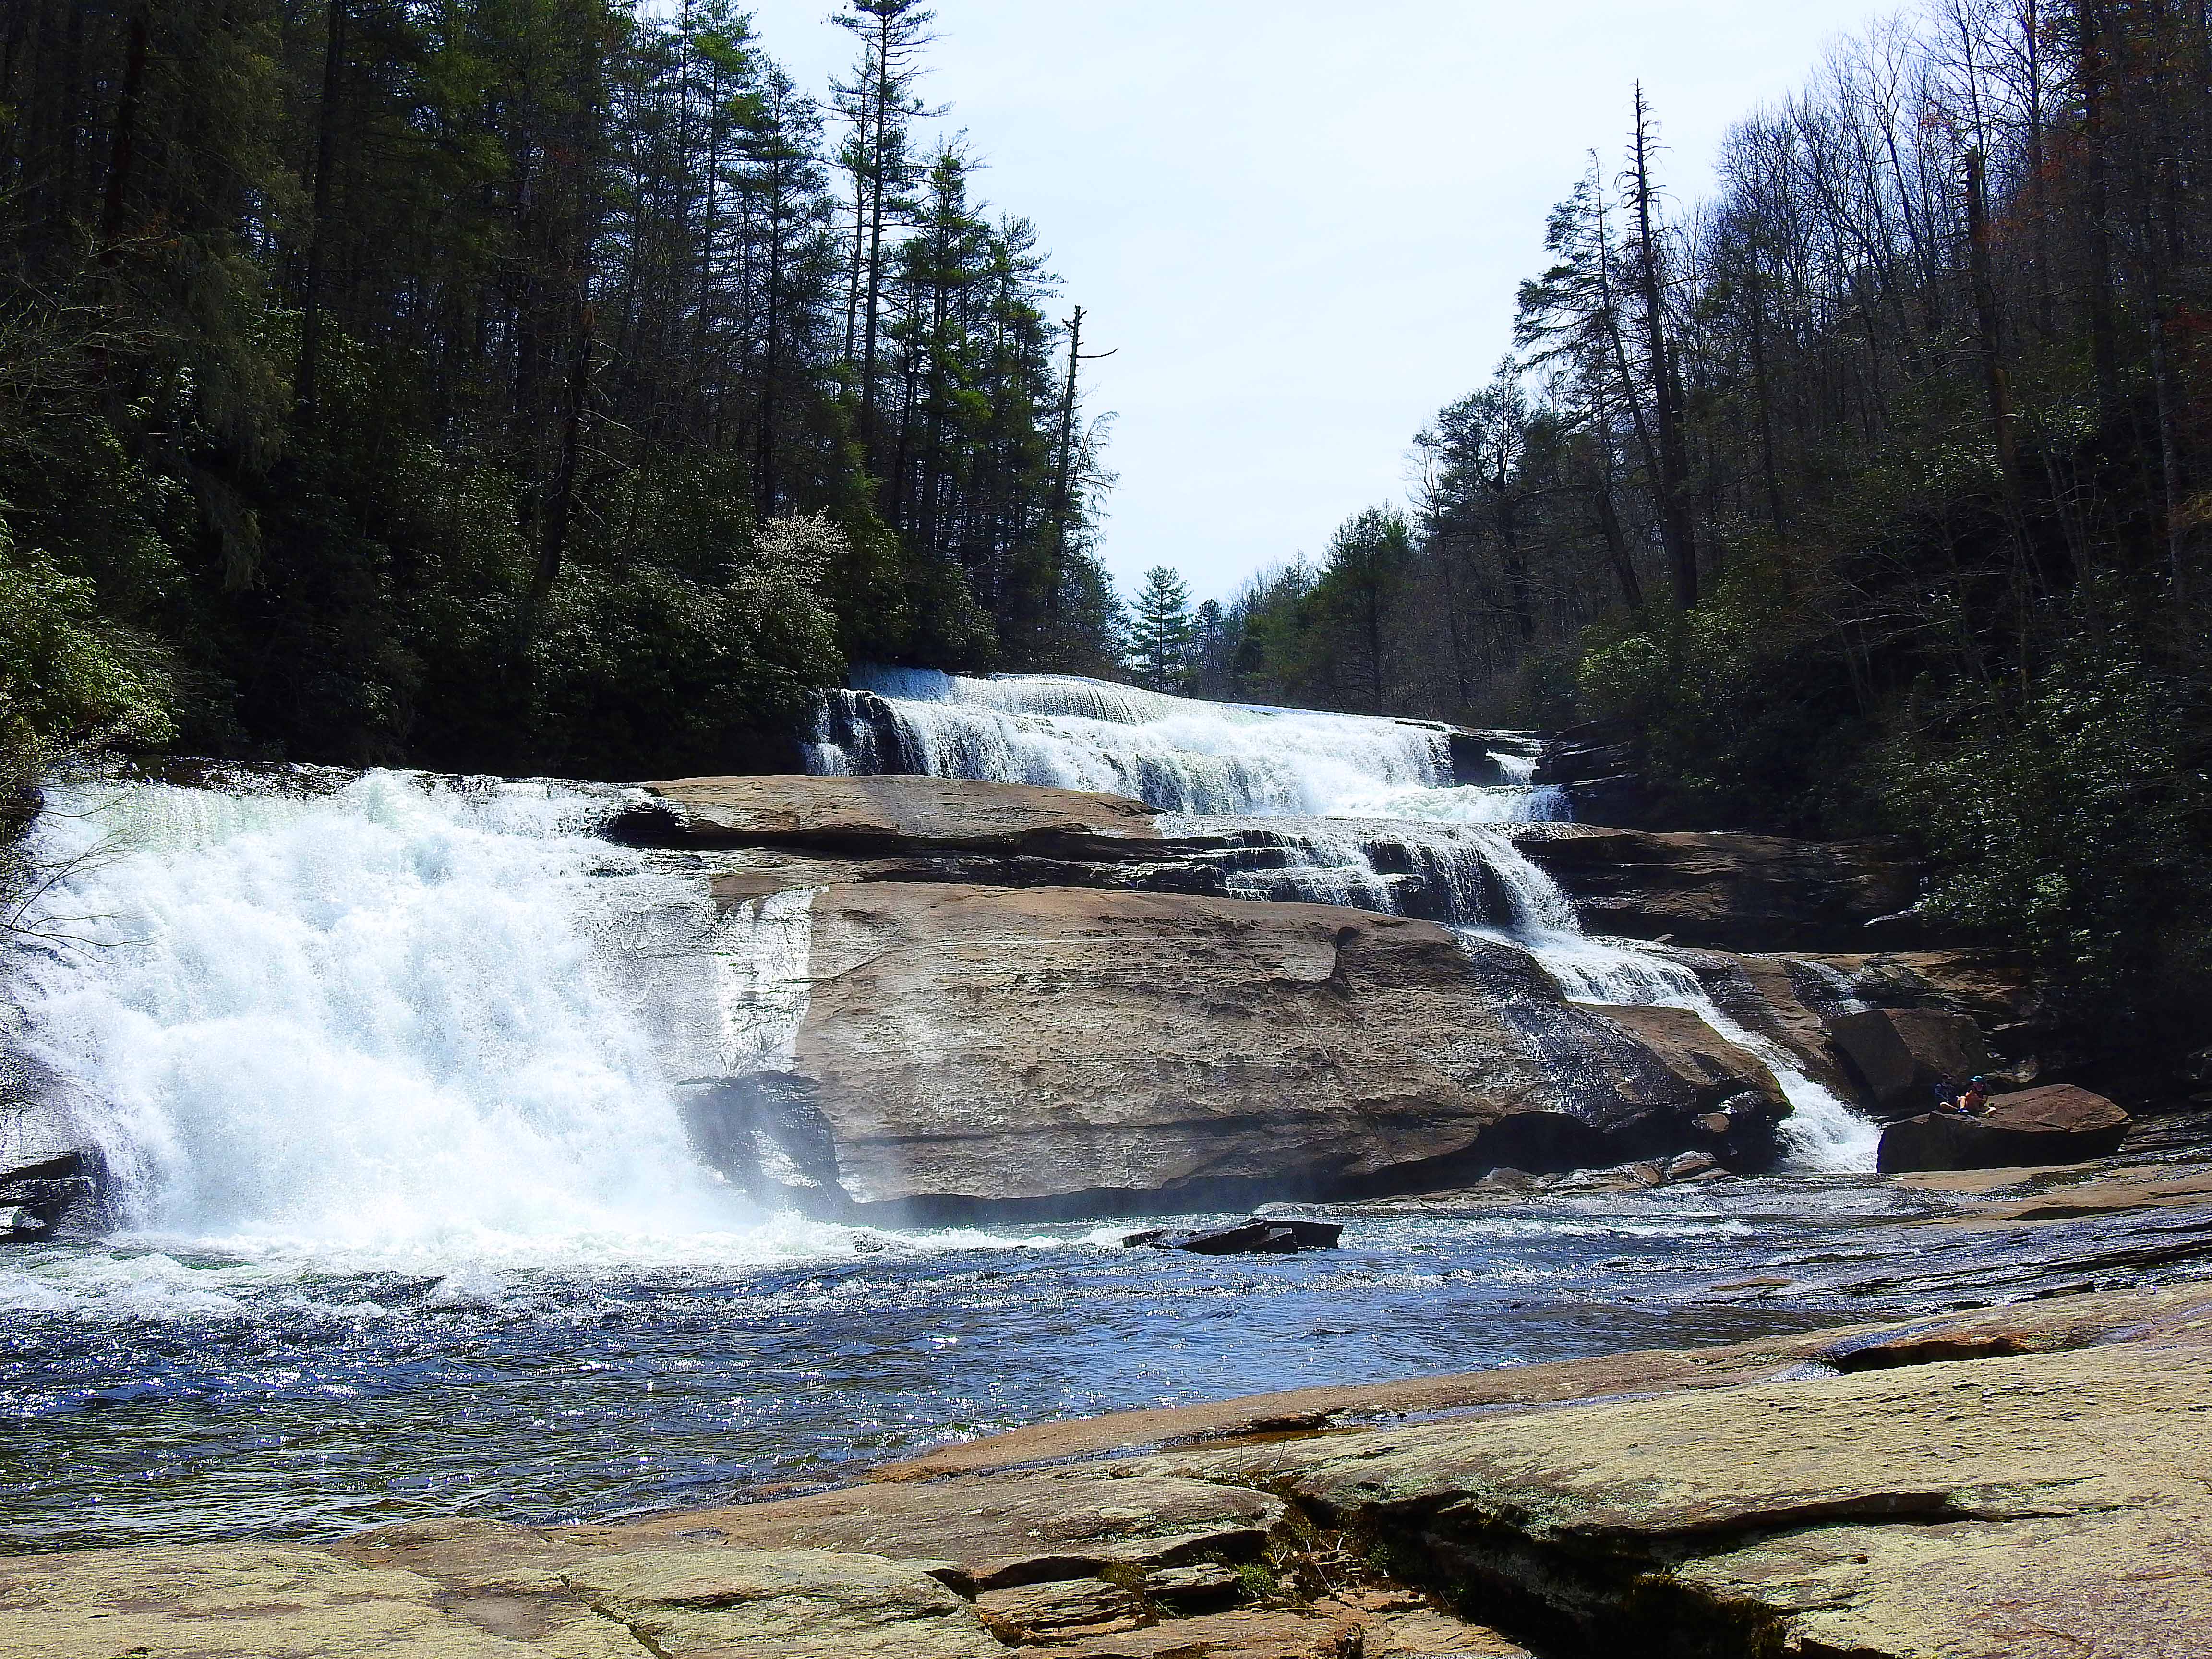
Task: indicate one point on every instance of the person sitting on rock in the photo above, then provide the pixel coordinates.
(1976, 1100)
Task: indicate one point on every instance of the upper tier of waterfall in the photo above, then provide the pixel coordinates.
(1178, 754)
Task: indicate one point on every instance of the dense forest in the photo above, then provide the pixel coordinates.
(511, 384)
(552, 384)
(1869, 495)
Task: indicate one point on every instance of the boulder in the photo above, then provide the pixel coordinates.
(1729, 891)
(1257, 1237)
(1057, 1050)
(1900, 1055)
(2056, 1124)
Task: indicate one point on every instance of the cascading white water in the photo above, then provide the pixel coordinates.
(1202, 762)
(404, 1019)
(1178, 754)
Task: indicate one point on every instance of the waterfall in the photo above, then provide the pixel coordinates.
(1488, 887)
(1360, 812)
(397, 1016)
(1178, 754)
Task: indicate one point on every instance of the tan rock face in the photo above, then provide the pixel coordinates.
(874, 814)
(972, 1046)
(1731, 891)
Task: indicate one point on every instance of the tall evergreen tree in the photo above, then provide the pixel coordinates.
(1160, 631)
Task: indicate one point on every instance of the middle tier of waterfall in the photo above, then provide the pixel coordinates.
(1406, 818)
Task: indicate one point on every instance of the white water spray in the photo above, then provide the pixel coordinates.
(408, 1018)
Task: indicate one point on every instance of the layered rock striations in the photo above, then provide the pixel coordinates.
(966, 1048)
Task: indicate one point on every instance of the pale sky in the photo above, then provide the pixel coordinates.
(1302, 225)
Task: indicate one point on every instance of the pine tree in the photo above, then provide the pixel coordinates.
(1160, 631)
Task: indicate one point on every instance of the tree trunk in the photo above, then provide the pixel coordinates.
(119, 154)
(311, 299)
(559, 501)
(1674, 517)
(1986, 334)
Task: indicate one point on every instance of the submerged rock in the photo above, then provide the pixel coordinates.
(2056, 1124)
(1258, 1237)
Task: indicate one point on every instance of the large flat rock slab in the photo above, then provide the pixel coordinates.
(969, 1049)
(798, 1604)
(272, 1601)
(901, 813)
(2014, 1505)
(1013, 1530)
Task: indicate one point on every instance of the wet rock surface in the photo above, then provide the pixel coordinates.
(969, 1049)
(1737, 892)
(879, 814)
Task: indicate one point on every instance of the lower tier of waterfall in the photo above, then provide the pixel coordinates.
(402, 1015)
(1475, 879)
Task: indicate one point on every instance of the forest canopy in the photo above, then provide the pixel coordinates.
(510, 384)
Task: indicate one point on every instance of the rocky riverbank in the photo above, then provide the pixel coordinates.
(2005, 1483)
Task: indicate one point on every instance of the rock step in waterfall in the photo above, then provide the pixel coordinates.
(335, 1000)
(1046, 998)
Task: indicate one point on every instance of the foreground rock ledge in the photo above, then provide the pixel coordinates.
(2024, 1483)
